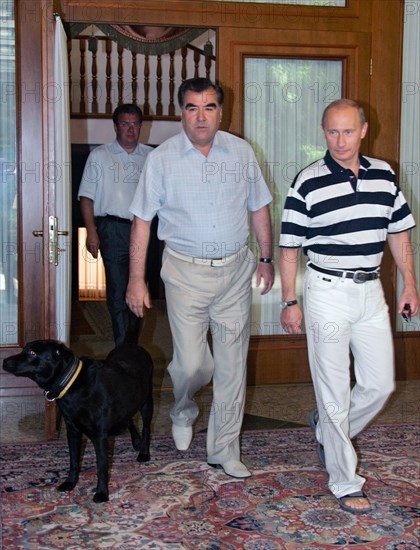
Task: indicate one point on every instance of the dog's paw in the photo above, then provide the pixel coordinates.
(100, 496)
(66, 486)
(143, 457)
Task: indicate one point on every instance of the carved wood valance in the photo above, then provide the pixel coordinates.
(146, 40)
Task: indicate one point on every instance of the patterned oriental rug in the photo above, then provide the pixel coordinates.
(177, 501)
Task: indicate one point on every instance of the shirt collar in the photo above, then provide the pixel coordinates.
(336, 168)
(118, 150)
(218, 142)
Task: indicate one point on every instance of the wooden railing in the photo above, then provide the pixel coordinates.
(102, 75)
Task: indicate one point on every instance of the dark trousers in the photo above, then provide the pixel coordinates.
(114, 238)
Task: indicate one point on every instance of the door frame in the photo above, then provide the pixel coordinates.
(284, 358)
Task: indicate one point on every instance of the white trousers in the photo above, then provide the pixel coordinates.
(340, 316)
(200, 297)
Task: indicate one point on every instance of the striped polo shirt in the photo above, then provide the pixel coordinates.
(342, 221)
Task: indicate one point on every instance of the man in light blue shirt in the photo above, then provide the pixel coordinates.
(202, 184)
(108, 184)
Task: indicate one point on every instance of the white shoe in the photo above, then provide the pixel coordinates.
(233, 468)
(182, 436)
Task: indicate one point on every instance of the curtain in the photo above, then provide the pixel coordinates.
(284, 100)
(410, 136)
(62, 174)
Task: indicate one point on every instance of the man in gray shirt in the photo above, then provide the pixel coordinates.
(108, 184)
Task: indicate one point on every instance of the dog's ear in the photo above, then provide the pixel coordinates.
(63, 354)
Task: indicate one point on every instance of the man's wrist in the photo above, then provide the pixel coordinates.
(288, 303)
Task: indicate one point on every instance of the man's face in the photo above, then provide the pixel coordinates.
(128, 131)
(201, 116)
(344, 133)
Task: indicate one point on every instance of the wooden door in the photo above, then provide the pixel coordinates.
(35, 281)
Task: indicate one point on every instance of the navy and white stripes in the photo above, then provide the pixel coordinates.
(341, 221)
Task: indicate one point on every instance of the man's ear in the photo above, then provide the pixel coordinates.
(364, 129)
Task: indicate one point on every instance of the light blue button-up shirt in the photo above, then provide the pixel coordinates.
(202, 202)
(111, 176)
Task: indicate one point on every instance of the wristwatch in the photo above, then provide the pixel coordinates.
(266, 260)
(283, 305)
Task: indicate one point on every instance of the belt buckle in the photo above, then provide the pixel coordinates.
(216, 260)
(359, 277)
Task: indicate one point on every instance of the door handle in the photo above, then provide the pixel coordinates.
(53, 233)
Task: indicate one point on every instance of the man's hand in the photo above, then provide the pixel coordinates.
(291, 319)
(93, 243)
(265, 272)
(409, 296)
(137, 297)
(403, 254)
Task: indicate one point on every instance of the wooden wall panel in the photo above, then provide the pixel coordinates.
(385, 93)
(355, 16)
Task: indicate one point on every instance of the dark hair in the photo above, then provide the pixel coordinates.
(198, 85)
(338, 103)
(127, 109)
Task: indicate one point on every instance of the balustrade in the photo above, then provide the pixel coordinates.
(103, 75)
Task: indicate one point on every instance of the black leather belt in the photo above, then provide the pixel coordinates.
(358, 276)
(113, 218)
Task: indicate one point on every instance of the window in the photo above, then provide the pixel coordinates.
(284, 101)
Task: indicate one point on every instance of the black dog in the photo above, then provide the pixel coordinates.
(96, 398)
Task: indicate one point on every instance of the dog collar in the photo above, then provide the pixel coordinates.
(62, 386)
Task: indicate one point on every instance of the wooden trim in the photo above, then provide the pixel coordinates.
(407, 353)
(278, 360)
(385, 115)
(353, 50)
(209, 13)
(47, 53)
(387, 37)
(91, 116)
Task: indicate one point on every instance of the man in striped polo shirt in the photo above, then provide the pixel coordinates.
(341, 210)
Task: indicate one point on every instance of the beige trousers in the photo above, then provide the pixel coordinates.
(210, 306)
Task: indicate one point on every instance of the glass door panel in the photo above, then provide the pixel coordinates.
(8, 185)
(284, 100)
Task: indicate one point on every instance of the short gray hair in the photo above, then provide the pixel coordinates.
(338, 103)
